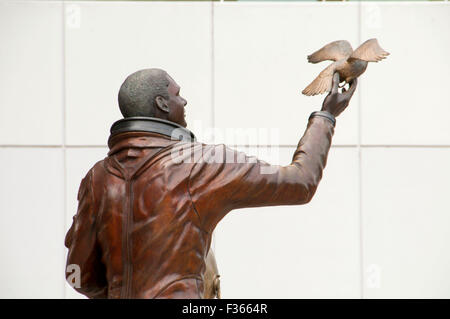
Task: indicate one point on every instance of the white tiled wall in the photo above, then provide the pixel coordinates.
(404, 98)
(31, 73)
(309, 251)
(105, 42)
(31, 220)
(261, 68)
(406, 214)
(377, 225)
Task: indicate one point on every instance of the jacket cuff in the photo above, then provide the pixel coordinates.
(324, 114)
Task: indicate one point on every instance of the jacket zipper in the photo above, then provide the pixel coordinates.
(127, 225)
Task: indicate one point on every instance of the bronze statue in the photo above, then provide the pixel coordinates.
(348, 63)
(147, 211)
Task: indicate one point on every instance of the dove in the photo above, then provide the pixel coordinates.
(348, 63)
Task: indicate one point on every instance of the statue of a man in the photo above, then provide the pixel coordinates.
(147, 211)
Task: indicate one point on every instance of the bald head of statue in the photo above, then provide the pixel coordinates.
(152, 93)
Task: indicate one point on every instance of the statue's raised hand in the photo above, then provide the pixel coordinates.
(335, 102)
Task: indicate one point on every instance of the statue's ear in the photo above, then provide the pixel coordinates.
(161, 103)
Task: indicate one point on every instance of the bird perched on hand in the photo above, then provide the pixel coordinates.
(348, 63)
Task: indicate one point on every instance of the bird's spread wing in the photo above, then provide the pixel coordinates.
(333, 51)
(322, 83)
(370, 51)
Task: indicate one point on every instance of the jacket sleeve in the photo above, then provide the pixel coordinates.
(84, 251)
(225, 179)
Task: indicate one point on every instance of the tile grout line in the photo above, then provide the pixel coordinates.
(64, 149)
(240, 145)
(212, 67)
(213, 240)
(361, 234)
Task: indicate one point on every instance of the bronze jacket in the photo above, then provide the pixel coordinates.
(147, 211)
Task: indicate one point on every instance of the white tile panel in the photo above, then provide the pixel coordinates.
(309, 251)
(260, 68)
(31, 223)
(406, 218)
(31, 67)
(405, 97)
(107, 41)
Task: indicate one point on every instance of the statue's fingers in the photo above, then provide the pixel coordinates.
(335, 83)
(352, 88)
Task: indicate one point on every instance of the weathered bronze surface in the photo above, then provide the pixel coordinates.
(348, 63)
(147, 211)
(212, 277)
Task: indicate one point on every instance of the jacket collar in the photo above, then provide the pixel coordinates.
(141, 132)
(153, 125)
